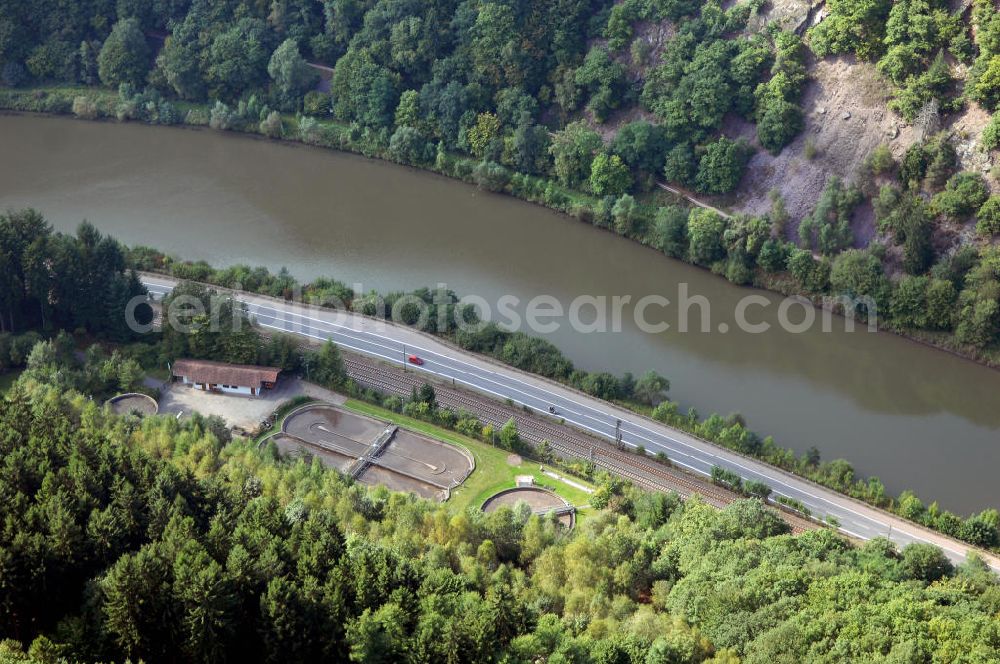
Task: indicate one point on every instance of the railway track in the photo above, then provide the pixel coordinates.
(565, 441)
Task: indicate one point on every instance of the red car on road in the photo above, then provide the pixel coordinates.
(413, 359)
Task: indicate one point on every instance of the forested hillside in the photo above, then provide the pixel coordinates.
(856, 137)
(853, 142)
(581, 106)
(53, 281)
(491, 79)
(43, 297)
(157, 540)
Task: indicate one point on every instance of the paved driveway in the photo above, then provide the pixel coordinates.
(390, 342)
(237, 409)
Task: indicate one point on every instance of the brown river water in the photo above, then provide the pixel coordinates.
(916, 417)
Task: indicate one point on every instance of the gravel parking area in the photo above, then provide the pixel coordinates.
(237, 410)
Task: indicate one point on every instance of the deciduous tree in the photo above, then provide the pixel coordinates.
(124, 58)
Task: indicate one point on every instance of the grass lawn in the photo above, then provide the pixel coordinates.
(492, 472)
(7, 380)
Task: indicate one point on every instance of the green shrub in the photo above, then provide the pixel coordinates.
(856, 26)
(813, 275)
(705, 231)
(491, 175)
(680, 165)
(669, 233)
(990, 138)
(778, 122)
(880, 160)
(828, 228)
(197, 117)
(859, 274)
(609, 176)
(963, 194)
(271, 125)
(909, 302)
(721, 167)
(627, 216)
(85, 108)
(988, 217)
(316, 103)
(222, 117)
(409, 146)
(773, 256)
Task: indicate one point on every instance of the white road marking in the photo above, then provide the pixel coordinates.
(523, 393)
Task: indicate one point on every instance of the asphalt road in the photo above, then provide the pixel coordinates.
(394, 343)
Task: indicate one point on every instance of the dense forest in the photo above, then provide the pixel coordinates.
(165, 540)
(573, 104)
(646, 393)
(54, 281)
(159, 540)
(490, 79)
(168, 540)
(102, 372)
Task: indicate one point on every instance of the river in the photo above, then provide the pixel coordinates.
(916, 417)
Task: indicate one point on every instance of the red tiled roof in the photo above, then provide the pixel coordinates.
(220, 373)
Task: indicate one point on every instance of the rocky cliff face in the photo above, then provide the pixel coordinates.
(792, 15)
(846, 117)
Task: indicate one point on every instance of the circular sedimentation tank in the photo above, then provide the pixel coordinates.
(133, 402)
(539, 499)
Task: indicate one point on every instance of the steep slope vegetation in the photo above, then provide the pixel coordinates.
(165, 544)
(854, 138)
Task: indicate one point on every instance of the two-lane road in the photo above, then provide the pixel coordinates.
(394, 343)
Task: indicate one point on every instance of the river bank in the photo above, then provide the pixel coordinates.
(326, 133)
(701, 447)
(208, 195)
